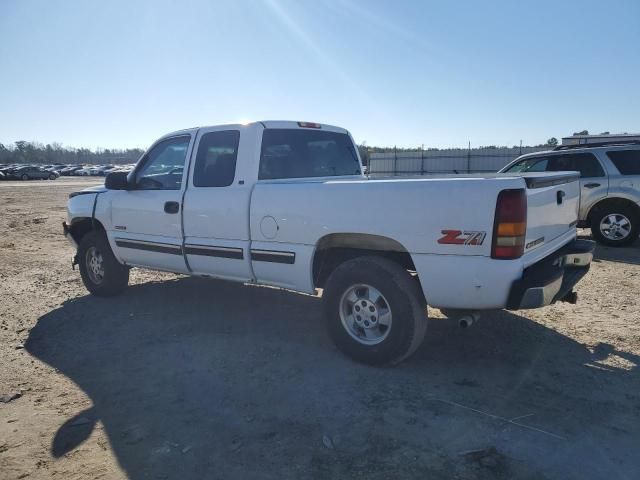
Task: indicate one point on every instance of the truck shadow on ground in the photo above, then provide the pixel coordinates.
(629, 254)
(196, 378)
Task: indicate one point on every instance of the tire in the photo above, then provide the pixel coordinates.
(605, 231)
(24, 177)
(52, 177)
(400, 303)
(115, 276)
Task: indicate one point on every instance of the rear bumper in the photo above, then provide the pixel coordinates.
(552, 278)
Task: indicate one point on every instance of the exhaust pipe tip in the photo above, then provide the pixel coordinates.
(466, 321)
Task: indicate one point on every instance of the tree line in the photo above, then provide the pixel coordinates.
(38, 153)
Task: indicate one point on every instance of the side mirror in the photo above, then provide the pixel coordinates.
(117, 181)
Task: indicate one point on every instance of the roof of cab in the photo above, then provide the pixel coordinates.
(300, 124)
(265, 124)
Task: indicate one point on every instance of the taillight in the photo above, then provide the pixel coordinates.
(309, 125)
(510, 224)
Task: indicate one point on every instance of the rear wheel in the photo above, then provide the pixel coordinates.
(101, 272)
(24, 177)
(374, 311)
(614, 226)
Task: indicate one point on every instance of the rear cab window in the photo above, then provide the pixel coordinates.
(303, 153)
(626, 161)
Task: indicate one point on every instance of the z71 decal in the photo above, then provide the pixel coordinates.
(460, 237)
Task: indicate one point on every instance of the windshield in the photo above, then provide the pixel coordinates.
(535, 164)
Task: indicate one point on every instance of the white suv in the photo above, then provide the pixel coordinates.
(609, 185)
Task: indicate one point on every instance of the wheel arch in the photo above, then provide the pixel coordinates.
(80, 226)
(336, 248)
(612, 202)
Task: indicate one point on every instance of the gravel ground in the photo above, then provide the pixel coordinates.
(189, 378)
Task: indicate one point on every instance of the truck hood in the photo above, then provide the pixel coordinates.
(95, 189)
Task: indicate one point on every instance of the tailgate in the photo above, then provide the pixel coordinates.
(552, 206)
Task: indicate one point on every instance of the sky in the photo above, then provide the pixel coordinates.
(121, 73)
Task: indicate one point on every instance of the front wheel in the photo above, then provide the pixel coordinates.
(52, 177)
(374, 311)
(615, 226)
(101, 272)
(25, 177)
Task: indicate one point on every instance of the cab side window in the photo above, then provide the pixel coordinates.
(626, 161)
(585, 163)
(163, 165)
(216, 160)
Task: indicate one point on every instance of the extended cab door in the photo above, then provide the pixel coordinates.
(216, 204)
(146, 227)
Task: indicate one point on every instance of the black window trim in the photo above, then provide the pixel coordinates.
(142, 161)
(194, 157)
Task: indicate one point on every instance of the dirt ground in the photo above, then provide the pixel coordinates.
(183, 378)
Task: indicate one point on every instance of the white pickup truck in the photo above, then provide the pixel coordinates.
(286, 204)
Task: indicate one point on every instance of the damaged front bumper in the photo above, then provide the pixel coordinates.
(66, 229)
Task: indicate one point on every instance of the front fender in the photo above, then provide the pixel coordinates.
(80, 205)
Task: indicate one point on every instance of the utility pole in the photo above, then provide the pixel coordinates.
(395, 160)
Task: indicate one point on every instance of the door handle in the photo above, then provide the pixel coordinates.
(560, 196)
(171, 207)
(591, 185)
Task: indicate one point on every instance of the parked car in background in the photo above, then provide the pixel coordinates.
(7, 170)
(103, 169)
(70, 170)
(94, 169)
(82, 172)
(30, 172)
(111, 168)
(56, 168)
(609, 185)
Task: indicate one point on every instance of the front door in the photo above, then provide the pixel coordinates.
(146, 220)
